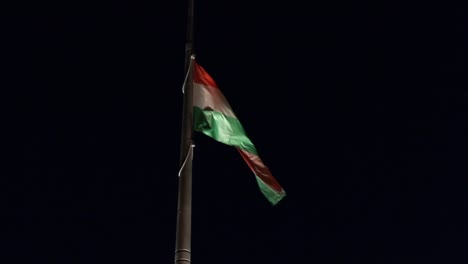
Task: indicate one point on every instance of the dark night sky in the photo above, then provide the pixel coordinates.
(359, 110)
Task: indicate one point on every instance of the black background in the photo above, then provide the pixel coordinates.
(358, 109)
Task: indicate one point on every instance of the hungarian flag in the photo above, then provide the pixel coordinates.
(213, 116)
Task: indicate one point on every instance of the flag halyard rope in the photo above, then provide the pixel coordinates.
(192, 57)
(186, 157)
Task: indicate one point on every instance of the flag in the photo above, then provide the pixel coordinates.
(214, 117)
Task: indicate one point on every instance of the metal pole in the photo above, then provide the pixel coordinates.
(184, 207)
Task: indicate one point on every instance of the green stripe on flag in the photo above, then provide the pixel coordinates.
(270, 194)
(222, 128)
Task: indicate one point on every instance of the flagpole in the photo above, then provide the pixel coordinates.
(184, 206)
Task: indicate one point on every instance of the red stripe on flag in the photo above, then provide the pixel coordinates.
(202, 77)
(260, 170)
